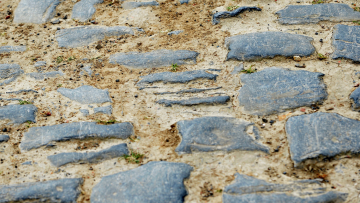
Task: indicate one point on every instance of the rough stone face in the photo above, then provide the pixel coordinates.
(18, 114)
(195, 101)
(89, 157)
(86, 94)
(182, 77)
(9, 73)
(104, 110)
(84, 10)
(40, 63)
(275, 90)
(260, 45)
(326, 134)
(303, 14)
(226, 14)
(7, 49)
(35, 11)
(192, 90)
(355, 96)
(39, 136)
(346, 41)
(63, 190)
(4, 138)
(159, 182)
(131, 5)
(83, 36)
(238, 69)
(249, 189)
(176, 32)
(154, 59)
(216, 133)
(41, 76)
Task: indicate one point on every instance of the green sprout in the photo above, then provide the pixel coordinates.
(321, 56)
(249, 70)
(22, 102)
(231, 8)
(59, 59)
(174, 67)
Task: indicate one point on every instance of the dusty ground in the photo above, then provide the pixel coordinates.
(152, 122)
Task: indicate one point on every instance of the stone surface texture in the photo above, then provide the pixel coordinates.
(355, 96)
(227, 14)
(35, 11)
(196, 101)
(9, 73)
(18, 114)
(7, 49)
(4, 138)
(84, 9)
(346, 41)
(86, 94)
(42, 76)
(104, 110)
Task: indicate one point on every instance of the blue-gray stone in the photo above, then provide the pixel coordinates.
(7, 49)
(196, 101)
(184, 1)
(86, 70)
(346, 41)
(83, 36)
(35, 11)
(238, 69)
(249, 189)
(303, 14)
(41, 76)
(9, 73)
(227, 14)
(40, 63)
(18, 114)
(89, 157)
(26, 163)
(321, 134)
(355, 96)
(275, 90)
(4, 138)
(21, 91)
(216, 133)
(131, 5)
(85, 112)
(154, 59)
(157, 182)
(182, 77)
(40, 136)
(176, 32)
(254, 46)
(84, 10)
(104, 110)
(86, 94)
(192, 90)
(60, 191)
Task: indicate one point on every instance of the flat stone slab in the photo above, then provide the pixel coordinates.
(40, 136)
(18, 114)
(182, 77)
(4, 138)
(85, 35)
(275, 90)
(89, 157)
(9, 73)
(154, 59)
(249, 189)
(35, 11)
(355, 96)
(86, 94)
(192, 90)
(254, 46)
(41, 76)
(196, 101)
(131, 5)
(7, 49)
(227, 14)
(153, 182)
(346, 41)
(303, 14)
(326, 134)
(63, 190)
(207, 134)
(104, 110)
(84, 10)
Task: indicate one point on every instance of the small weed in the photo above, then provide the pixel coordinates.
(106, 122)
(29, 122)
(321, 56)
(174, 67)
(249, 70)
(219, 190)
(318, 2)
(71, 58)
(357, 9)
(22, 102)
(59, 85)
(357, 22)
(134, 157)
(59, 59)
(231, 8)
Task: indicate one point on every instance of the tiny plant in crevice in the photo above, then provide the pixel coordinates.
(357, 9)
(249, 70)
(71, 58)
(321, 56)
(59, 85)
(106, 122)
(174, 67)
(22, 102)
(357, 22)
(59, 59)
(231, 8)
(134, 157)
(318, 2)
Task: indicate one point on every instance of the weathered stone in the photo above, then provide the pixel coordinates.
(227, 14)
(18, 114)
(192, 90)
(84, 10)
(302, 14)
(196, 101)
(7, 49)
(182, 77)
(154, 59)
(176, 32)
(21, 91)
(85, 112)
(346, 41)
(260, 45)
(40, 136)
(238, 69)
(35, 11)
(153, 182)
(355, 96)
(249, 189)
(9, 73)
(41, 76)
(131, 5)
(40, 63)
(63, 190)
(276, 90)
(4, 138)
(89, 157)
(216, 133)
(104, 110)
(83, 36)
(321, 134)
(86, 94)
